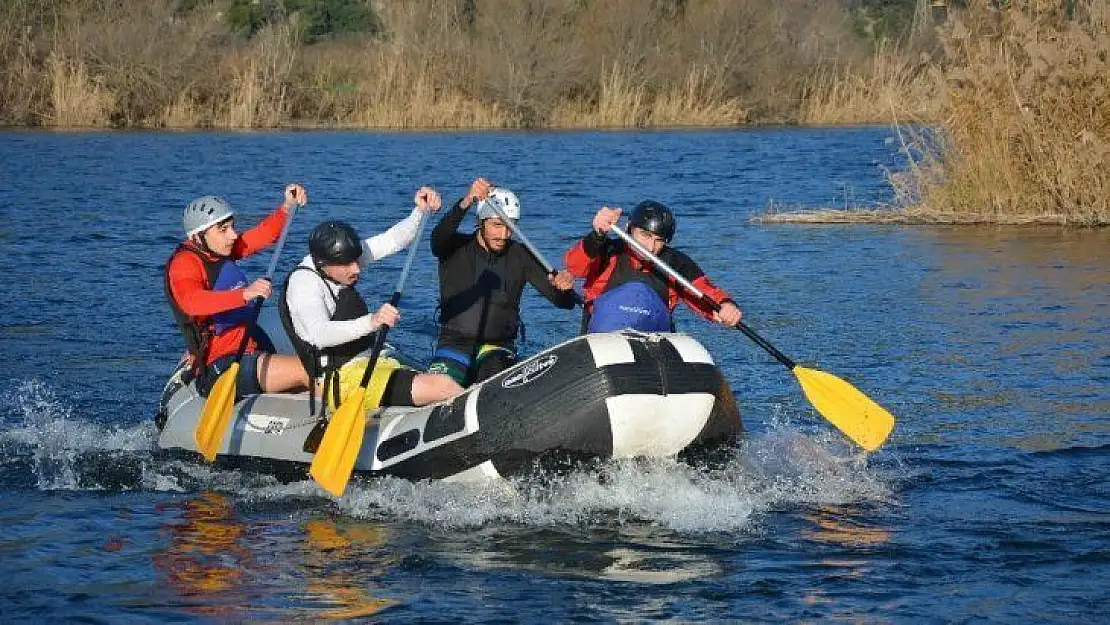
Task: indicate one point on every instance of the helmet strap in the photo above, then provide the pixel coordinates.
(201, 241)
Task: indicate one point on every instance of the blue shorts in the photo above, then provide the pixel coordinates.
(490, 360)
(246, 383)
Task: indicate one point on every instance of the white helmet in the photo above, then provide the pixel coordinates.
(204, 212)
(506, 201)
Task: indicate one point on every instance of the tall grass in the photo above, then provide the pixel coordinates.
(1026, 119)
(437, 63)
(857, 94)
(260, 77)
(78, 100)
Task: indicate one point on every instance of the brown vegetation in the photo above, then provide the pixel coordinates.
(1025, 119)
(1017, 130)
(1014, 94)
(437, 63)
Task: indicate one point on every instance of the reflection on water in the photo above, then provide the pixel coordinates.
(216, 562)
(340, 561)
(834, 526)
(205, 557)
(634, 552)
(1013, 325)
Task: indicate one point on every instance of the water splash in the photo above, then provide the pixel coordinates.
(781, 467)
(50, 447)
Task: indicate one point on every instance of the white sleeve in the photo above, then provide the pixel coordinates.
(308, 309)
(391, 241)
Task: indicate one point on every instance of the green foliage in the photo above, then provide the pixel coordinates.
(882, 19)
(321, 19)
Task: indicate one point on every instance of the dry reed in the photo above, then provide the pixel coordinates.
(78, 100)
(1026, 135)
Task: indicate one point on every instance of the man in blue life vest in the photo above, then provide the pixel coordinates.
(210, 296)
(624, 291)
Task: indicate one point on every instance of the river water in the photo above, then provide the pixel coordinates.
(990, 346)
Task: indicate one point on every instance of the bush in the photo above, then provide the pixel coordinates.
(323, 19)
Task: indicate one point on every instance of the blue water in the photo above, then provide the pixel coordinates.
(990, 345)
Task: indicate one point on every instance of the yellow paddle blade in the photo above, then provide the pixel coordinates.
(854, 413)
(217, 413)
(335, 459)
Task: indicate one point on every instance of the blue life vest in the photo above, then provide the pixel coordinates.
(632, 305)
(230, 277)
(632, 299)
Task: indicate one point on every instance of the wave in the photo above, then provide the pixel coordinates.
(49, 447)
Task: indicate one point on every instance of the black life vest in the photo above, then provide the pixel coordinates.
(480, 294)
(348, 305)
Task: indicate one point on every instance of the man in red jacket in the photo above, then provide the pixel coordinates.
(624, 291)
(210, 297)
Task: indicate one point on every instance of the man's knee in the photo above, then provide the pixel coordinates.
(429, 388)
(278, 373)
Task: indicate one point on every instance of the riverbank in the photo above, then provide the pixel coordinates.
(457, 64)
(1022, 134)
(1013, 95)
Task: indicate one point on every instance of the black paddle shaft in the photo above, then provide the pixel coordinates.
(379, 344)
(379, 337)
(257, 304)
(696, 292)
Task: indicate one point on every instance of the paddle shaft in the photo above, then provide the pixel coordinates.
(495, 204)
(395, 300)
(257, 301)
(696, 292)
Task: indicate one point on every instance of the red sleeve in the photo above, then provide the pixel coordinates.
(711, 290)
(578, 263)
(187, 284)
(260, 237)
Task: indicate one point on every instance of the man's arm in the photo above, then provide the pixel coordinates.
(263, 235)
(446, 239)
(537, 277)
(687, 268)
(268, 231)
(397, 238)
(311, 319)
(187, 285)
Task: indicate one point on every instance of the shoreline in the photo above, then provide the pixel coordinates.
(913, 217)
(326, 127)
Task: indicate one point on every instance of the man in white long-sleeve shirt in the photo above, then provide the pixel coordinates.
(331, 326)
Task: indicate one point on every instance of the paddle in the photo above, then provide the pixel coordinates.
(335, 458)
(216, 415)
(856, 415)
(499, 210)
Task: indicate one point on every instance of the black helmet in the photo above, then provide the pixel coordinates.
(654, 217)
(334, 243)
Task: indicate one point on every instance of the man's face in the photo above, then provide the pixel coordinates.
(495, 234)
(653, 242)
(221, 237)
(347, 275)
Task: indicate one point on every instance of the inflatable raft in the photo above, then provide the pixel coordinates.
(598, 396)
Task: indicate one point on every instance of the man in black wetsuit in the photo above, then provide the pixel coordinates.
(481, 278)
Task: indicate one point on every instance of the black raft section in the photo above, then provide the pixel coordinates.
(550, 412)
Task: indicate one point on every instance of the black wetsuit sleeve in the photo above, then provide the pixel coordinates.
(594, 243)
(683, 264)
(537, 277)
(446, 239)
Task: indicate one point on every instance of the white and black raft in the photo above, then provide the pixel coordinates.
(594, 397)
